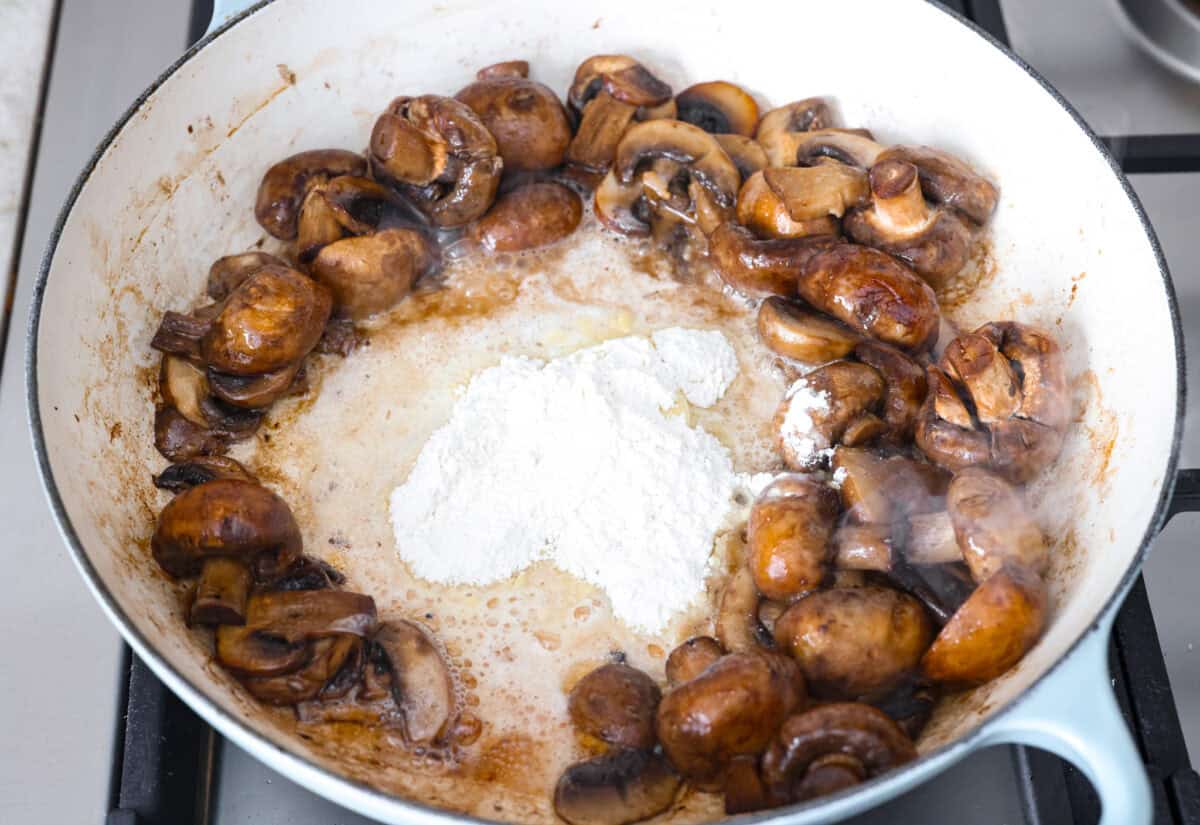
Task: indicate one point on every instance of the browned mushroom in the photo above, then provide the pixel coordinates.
(905, 387)
(847, 146)
(934, 242)
(831, 747)
(284, 185)
(179, 439)
(931, 539)
(756, 266)
(992, 630)
(255, 392)
(600, 130)
(948, 180)
(806, 115)
(440, 154)
(421, 683)
(507, 68)
(855, 642)
(744, 788)
(526, 118)
(993, 525)
(873, 293)
(731, 709)
(745, 153)
(361, 205)
(221, 592)
(616, 703)
(327, 658)
(795, 202)
(621, 76)
(788, 535)
(615, 788)
(200, 470)
(531, 216)
(820, 407)
(228, 272)
(718, 107)
(790, 330)
(373, 273)
(692, 658)
(736, 626)
(864, 547)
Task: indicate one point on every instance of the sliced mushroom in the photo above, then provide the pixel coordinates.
(992, 630)
(790, 330)
(616, 703)
(886, 490)
(730, 710)
(604, 122)
(526, 118)
(361, 205)
(421, 683)
(821, 191)
(934, 242)
(307, 573)
(441, 154)
(718, 107)
(228, 272)
(200, 470)
(318, 226)
(683, 143)
(905, 387)
(873, 293)
(789, 531)
(180, 439)
(847, 146)
(615, 788)
(756, 266)
(993, 524)
(254, 392)
(761, 209)
(692, 658)
(831, 747)
(621, 76)
(531, 216)
(745, 153)
(284, 185)
(806, 115)
(945, 430)
(820, 406)
(373, 273)
(946, 179)
(184, 386)
(326, 660)
(855, 642)
(736, 627)
(257, 653)
(181, 334)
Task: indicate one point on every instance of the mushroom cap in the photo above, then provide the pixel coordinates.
(528, 217)
(810, 114)
(872, 292)
(273, 318)
(361, 205)
(905, 387)
(821, 407)
(756, 267)
(616, 703)
(621, 76)
(682, 143)
(327, 658)
(847, 146)
(284, 185)
(765, 212)
(691, 658)
(616, 788)
(810, 192)
(990, 632)
(421, 683)
(254, 392)
(731, 709)
(231, 518)
(948, 180)
(863, 733)
(192, 472)
(993, 524)
(227, 272)
(790, 330)
(855, 642)
(747, 155)
(373, 273)
(601, 127)
(526, 118)
(736, 626)
(788, 534)
(718, 107)
(507, 68)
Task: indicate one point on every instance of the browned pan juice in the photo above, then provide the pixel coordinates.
(517, 646)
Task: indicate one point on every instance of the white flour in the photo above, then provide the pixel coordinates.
(587, 461)
(796, 430)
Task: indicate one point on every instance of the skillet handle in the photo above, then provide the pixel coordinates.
(225, 9)
(1075, 715)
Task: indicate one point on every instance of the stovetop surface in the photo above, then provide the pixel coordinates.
(65, 717)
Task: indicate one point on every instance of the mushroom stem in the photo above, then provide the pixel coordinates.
(221, 592)
(863, 547)
(931, 539)
(900, 207)
(180, 334)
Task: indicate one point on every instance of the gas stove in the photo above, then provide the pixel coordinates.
(133, 754)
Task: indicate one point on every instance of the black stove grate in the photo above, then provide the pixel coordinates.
(163, 768)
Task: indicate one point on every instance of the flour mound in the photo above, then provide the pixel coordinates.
(586, 461)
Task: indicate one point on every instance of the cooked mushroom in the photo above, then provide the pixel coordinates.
(507, 68)
(604, 122)
(820, 406)
(184, 386)
(361, 205)
(307, 573)
(855, 642)
(318, 226)
(179, 439)
(254, 392)
(373, 273)
(226, 273)
(731, 709)
(736, 627)
(744, 789)
(1020, 418)
(745, 153)
(946, 179)
(873, 293)
(615, 788)
(790, 330)
(831, 747)
(441, 155)
(221, 592)
(621, 76)
(692, 658)
(992, 630)
(758, 266)
(931, 539)
(905, 387)
(526, 118)
(788, 535)
(200, 470)
(718, 107)
(993, 524)
(616, 703)
(284, 185)
(886, 490)
(806, 115)
(814, 192)
(327, 658)
(934, 242)
(910, 706)
(533, 215)
(421, 683)
(848, 146)
(228, 518)
(762, 210)
(864, 547)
